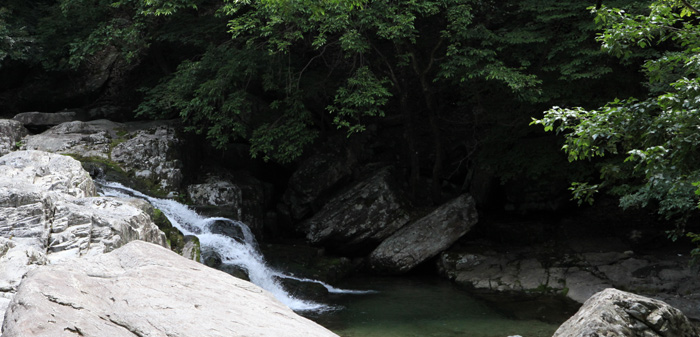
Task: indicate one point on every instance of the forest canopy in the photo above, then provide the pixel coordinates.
(456, 81)
(649, 143)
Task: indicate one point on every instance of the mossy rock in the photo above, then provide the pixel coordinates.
(176, 240)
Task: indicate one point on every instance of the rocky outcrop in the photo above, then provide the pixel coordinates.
(145, 290)
(83, 139)
(426, 237)
(149, 152)
(359, 218)
(615, 313)
(237, 196)
(315, 178)
(40, 121)
(151, 155)
(49, 212)
(576, 275)
(11, 134)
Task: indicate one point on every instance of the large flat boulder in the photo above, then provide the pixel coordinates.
(615, 313)
(426, 237)
(359, 218)
(143, 289)
(40, 121)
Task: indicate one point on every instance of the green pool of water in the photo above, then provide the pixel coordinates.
(409, 307)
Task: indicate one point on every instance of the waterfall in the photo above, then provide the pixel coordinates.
(243, 253)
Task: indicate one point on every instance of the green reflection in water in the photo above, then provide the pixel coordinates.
(407, 307)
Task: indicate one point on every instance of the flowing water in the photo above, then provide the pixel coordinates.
(394, 307)
(243, 253)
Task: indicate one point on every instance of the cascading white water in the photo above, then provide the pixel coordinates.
(244, 253)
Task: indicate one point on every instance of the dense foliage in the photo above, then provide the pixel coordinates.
(456, 80)
(650, 143)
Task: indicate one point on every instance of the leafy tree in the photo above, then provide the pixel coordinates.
(649, 143)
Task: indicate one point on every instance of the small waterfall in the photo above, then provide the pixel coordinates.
(243, 253)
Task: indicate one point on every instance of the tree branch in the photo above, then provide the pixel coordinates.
(689, 6)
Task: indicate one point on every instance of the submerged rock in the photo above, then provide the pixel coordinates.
(146, 290)
(358, 219)
(616, 313)
(425, 237)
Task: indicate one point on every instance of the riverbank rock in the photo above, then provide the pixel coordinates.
(11, 134)
(359, 218)
(425, 237)
(615, 313)
(143, 289)
(576, 275)
(147, 151)
(49, 212)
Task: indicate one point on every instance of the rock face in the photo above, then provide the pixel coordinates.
(11, 133)
(356, 220)
(314, 178)
(237, 196)
(615, 313)
(150, 154)
(145, 290)
(85, 139)
(425, 237)
(49, 212)
(146, 151)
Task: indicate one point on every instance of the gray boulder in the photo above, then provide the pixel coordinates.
(11, 134)
(237, 196)
(359, 218)
(314, 179)
(152, 155)
(425, 237)
(40, 121)
(145, 290)
(614, 313)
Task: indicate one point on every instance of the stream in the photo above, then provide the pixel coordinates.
(382, 307)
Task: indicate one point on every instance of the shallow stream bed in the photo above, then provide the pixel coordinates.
(408, 307)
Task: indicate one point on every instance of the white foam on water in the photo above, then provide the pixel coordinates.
(243, 253)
